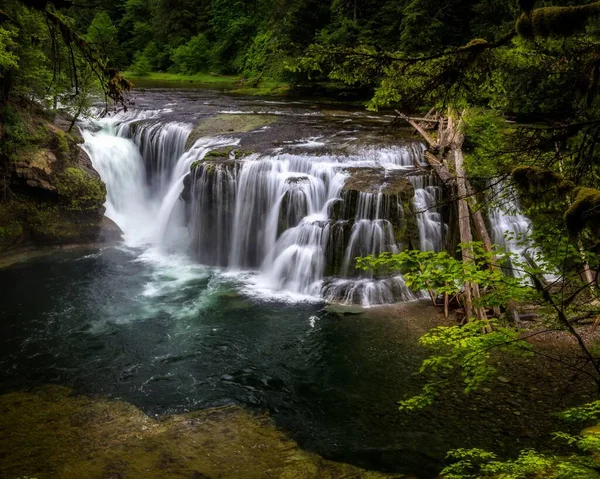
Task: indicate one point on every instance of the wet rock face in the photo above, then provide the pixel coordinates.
(36, 170)
(51, 433)
(376, 193)
(56, 197)
(379, 180)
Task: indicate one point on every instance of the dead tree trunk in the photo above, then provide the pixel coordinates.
(445, 149)
(464, 223)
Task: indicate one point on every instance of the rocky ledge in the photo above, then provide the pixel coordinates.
(50, 194)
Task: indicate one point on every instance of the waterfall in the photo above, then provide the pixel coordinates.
(291, 218)
(297, 219)
(121, 167)
(428, 195)
(510, 229)
(143, 164)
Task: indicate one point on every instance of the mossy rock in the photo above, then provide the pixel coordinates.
(584, 212)
(56, 196)
(79, 191)
(556, 21)
(50, 433)
(226, 124)
(375, 180)
(44, 222)
(222, 154)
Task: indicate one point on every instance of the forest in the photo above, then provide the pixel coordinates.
(495, 108)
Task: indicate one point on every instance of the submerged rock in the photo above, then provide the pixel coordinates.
(344, 309)
(51, 433)
(225, 124)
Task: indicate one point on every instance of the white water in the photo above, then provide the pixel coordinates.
(511, 230)
(277, 215)
(144, 173)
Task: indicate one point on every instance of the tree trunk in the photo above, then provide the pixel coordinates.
(480, 227)
(464, 223)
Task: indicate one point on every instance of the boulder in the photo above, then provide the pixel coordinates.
(57, 198)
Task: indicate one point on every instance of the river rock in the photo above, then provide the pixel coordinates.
(225, 124)
(52, 433)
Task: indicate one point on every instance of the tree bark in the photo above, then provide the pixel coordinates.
(478, 222)
(464, 223)
(426, 136)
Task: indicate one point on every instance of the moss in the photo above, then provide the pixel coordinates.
(48, 224)
(10, 226)
(531, 178)
(238, 154)
(62, 145)
(585, 211)
(221, 155)
(524, 26)
(45, 222)
(79, 191)
(556, 21)
(225, 124)
(51, 433)
(210, 167)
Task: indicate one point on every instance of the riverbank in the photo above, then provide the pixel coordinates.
(231, 83)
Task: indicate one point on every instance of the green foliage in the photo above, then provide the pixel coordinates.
(8, 59)
(587, 412)
(259, 54)
(479, 464)
(193, 57)
(79, 191)
(141, 65)
(488, 146)
(16, 135)
(441, 273)
(102, 35)
(466, 349)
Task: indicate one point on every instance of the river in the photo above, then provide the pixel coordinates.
(222, 302)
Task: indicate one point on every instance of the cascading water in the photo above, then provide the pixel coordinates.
(143, 165)
(298, 220)
(428, 196)
(510, 229)
(295, 219)
(121, 167)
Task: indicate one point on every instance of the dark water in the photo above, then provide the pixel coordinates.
(171, 337)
